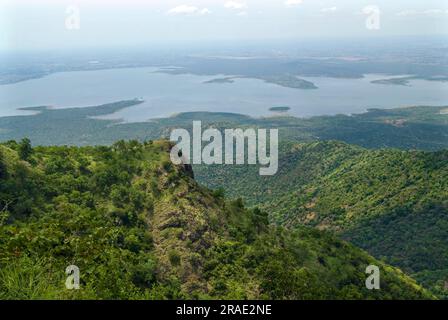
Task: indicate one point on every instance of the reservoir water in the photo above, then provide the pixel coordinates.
(166, 94)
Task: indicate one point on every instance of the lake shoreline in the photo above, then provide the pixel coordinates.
(166, 94)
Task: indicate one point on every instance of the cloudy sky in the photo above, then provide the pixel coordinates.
(46, 24)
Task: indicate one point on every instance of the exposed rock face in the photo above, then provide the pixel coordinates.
(181, 227)
(188, 169)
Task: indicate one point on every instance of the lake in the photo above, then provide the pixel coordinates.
(166, 94)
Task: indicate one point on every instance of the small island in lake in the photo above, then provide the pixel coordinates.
(289, 81)
(394, 81)
(283, 80)
(279, 109)
(221, 80)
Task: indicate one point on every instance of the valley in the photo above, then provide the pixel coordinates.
(154, 233)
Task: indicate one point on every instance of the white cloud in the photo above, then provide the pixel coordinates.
(330, 9)
(185, 10)
(238, 5)
(430, 12)
(433, 12)
(406, 13)
(204, 11)
(293, 3)
(242, 13)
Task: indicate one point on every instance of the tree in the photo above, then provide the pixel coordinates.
(25, 149)
(260, 219)
(3, 168)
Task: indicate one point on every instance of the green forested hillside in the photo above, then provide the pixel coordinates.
(140, 228)
(392, 203)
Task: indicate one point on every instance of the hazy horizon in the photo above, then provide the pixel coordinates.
(51, 24)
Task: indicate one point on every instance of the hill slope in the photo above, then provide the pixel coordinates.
(140, 228)
(391, 203)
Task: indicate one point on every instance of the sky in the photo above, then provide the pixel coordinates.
(47, 24)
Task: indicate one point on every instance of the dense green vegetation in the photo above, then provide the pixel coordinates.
(360, 194)
(392, 203)
(389, 202)
(140, 228)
